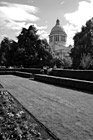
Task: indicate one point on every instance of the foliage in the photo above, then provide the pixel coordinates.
(29, 51)
(67, 63)
(7, 52)
(58, 62)
(86, 61)
(33, 51)
(83, 44)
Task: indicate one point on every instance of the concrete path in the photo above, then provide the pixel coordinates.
(67, 113)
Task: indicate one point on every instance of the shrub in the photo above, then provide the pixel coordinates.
(86, 61)
(67, 62)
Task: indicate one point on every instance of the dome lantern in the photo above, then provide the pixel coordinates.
(57, 22)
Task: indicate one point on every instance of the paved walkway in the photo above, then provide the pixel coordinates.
(67, 113)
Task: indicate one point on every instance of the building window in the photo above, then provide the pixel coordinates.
(56, 37)
(51, 38)
(62, 38)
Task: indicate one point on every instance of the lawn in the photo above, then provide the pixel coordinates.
(65, 112)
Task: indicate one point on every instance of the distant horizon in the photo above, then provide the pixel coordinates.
(16, 14)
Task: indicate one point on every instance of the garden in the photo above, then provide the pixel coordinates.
(16, 123)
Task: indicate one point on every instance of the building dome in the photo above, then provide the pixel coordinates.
(57, 41)
(57, 29)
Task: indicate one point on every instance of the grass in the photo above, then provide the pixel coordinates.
(66, 113)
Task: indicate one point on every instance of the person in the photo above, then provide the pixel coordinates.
(45, 69)
(49, 70)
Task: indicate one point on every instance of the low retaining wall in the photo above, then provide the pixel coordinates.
(23, 74)
(75, 74)
(28, 70)
(7, 72)
(67, 82)
(61, 81)
(31, 70)
(17, 73)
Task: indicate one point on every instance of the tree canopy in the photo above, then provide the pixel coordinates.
(83, 44)
(28, 51)
(8, 51)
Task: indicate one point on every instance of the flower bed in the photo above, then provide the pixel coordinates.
(16, 123)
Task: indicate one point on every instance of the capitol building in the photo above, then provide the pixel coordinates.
(57, 41)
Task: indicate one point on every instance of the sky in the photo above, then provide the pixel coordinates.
(16, 14)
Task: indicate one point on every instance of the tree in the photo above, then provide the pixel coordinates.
(33, 51)
(83, 44)
(28, 51)
(7, 52)
(44, 52)
(67, 63)
(86, 61)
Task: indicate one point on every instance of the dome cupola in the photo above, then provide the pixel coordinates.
(57, 29)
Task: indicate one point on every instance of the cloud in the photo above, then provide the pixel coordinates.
(62, 2)
(78, 18)
(14, 15)
(15, 25)
(40, 27)
(17, 12)
(41, 30)
(43, 34)
(3, 35)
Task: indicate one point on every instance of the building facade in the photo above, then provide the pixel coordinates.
(57, 41)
